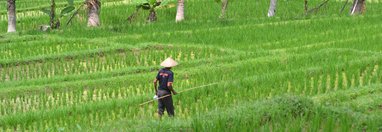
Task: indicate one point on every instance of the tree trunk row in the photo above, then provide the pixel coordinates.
(94, 6)
(358, 7)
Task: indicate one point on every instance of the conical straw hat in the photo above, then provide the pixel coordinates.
(169, 62)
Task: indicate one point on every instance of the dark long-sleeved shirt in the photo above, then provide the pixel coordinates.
(165, 76)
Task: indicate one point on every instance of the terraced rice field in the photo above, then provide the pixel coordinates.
(320, 72)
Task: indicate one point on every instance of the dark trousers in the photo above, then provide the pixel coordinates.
(165, 103)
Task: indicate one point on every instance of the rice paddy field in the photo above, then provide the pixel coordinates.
(292, 72)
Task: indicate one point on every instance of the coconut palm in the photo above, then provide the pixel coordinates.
(94, 7)
(53, 23)
(149, 5)
(272, 8)
(54, 19)
(358, 7)
(180, 11)
(224, 8)
(11, 15)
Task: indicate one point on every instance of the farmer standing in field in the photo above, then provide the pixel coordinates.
(165, 77)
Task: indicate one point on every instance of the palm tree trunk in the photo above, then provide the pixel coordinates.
(359, 7)
(11, 16)
(180, 11)
(94, 7)
(53, 15)
(306, 7)
(224, 8)
(272, 8)
(152, 16)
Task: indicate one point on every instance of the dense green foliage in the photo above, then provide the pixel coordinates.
(288, 73)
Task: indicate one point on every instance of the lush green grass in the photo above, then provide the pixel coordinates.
(288, 73)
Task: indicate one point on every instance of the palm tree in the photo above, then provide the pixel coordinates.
(94, 7)
(11, 16)
(149, 5)
(224, 8)
(272, 8)
(306, 7)
(54, 24)
(55, 20)
(358, 7)
(180, 11)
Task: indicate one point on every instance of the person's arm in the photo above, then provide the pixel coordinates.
(155, 86)
(169, 84)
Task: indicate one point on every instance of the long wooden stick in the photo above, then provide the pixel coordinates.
(178, 93)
